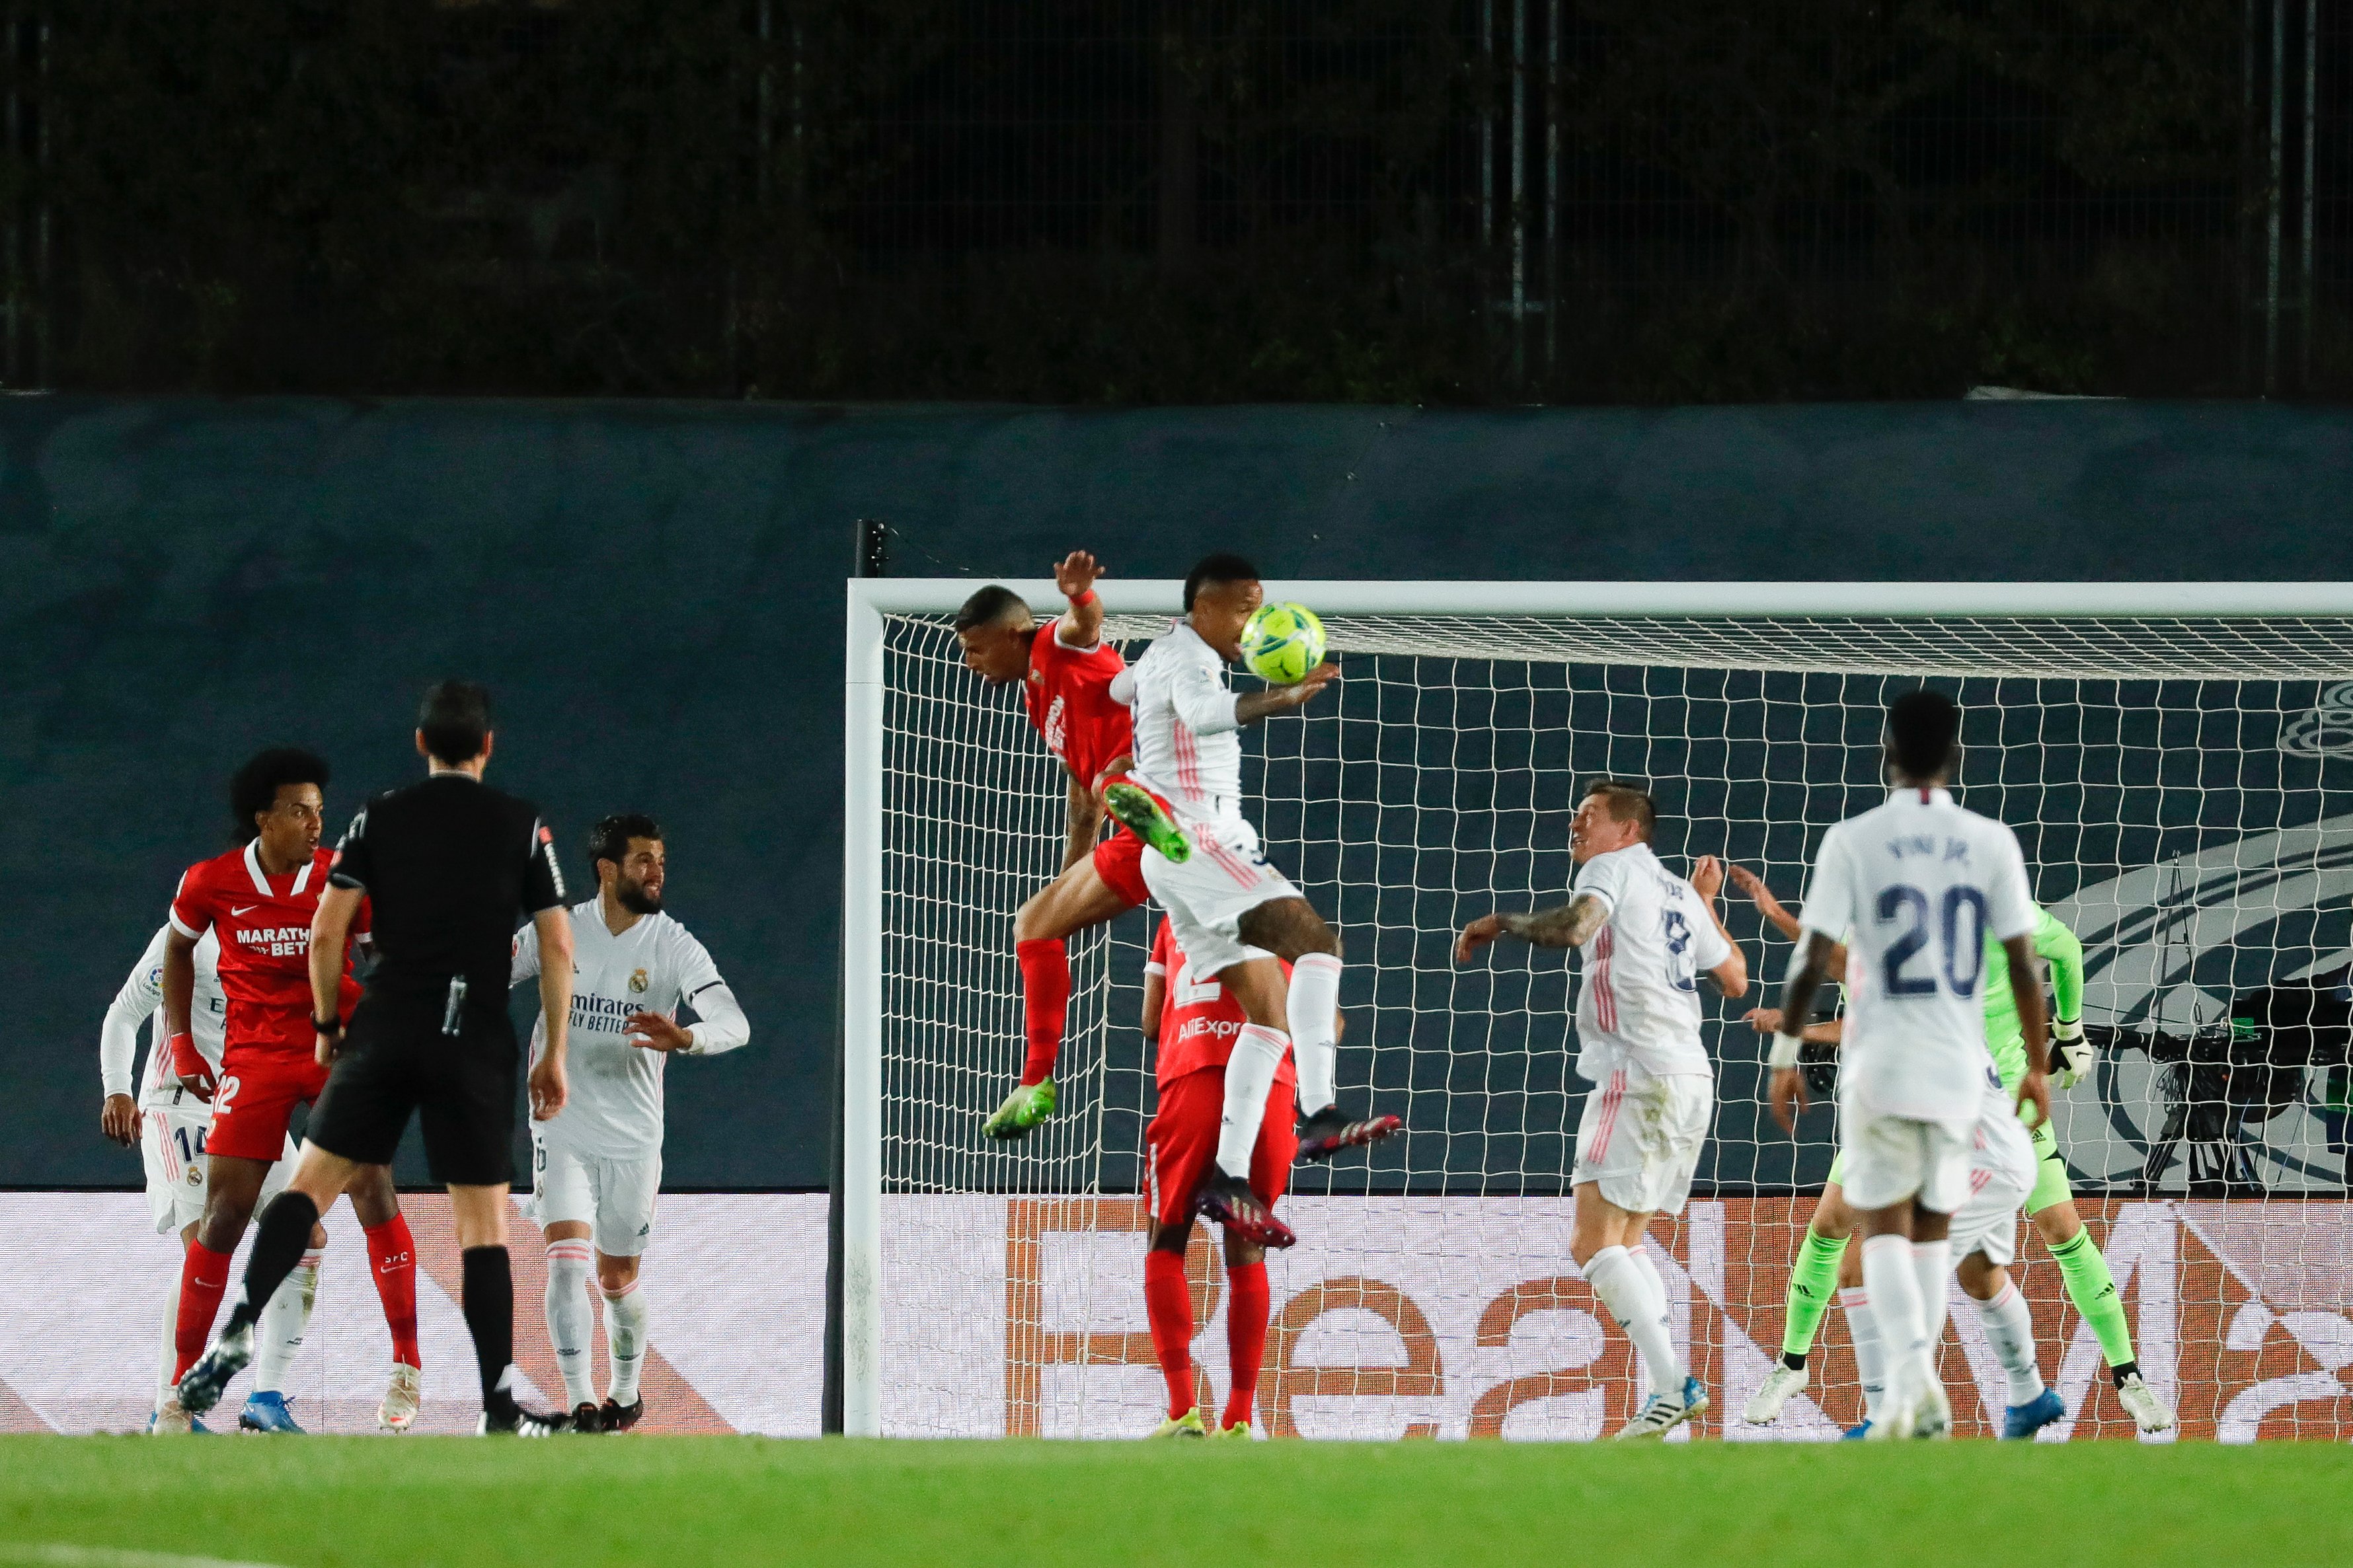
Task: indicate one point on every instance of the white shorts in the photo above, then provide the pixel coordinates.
(1205, 897)
(1641, 1136)
(172, 1148)
(614, 1198)
(1889, 1159)
(2002, 1169)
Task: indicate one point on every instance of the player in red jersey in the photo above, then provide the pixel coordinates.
(1197, 1021)
(258, 900)
(1066, 669)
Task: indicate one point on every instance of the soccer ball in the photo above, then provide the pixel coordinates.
(1281, 642)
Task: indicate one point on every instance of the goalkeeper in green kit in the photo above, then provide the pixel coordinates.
(1823, 1262)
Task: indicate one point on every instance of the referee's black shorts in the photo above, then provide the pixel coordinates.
(396, 1060)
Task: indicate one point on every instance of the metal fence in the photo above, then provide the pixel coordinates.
(1166, 200)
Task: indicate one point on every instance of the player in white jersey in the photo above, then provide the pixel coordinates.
(1233, 914)
(596, 1164)
(1645, 936)
(1914, 885)
(168, 1121)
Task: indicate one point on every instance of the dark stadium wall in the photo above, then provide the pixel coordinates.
(653, 593)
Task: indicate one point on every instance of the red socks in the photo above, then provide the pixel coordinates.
(203, 1280)
(1045, 1002)
(1246, 1313)
(392, 1255)
(1168, 1305)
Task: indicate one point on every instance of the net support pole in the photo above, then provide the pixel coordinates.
(861, 999)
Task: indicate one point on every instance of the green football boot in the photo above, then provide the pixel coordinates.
(1027, 1106)
(1142, 816)
(1186, 1426)
(1240, 1432)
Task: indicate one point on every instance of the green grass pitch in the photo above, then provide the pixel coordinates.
(427, 1502)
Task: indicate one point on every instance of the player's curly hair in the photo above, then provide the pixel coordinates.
(253, 789)
(610, 839)
(1924, 729)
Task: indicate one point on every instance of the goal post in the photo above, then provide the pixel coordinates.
(2129, 731)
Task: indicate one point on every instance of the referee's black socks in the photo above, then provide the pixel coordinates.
(489, 1303)
(279, 1239)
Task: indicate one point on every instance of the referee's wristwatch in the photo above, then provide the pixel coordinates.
(331, 1024)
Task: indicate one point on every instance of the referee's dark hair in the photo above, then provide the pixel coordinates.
(455, 720)
(1219, 568)
(990, 606)
(610, 839)
(1924, 729)
(253, 788)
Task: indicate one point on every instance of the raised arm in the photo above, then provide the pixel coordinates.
(1787, 1092)
(1251, 707)
(1731, 976)
(1571, 924)
(1075, 575)
(1778, 915)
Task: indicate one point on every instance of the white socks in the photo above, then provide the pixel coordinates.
(1894, 1288)
(625, 1336)
(1628, 1286)
(570, 1325)
(1250, 1078)
(1932, 1269)
(285, 1319)
(1314, 1004)
(2009, 1329)
(1870, 1358)
(171, 1355)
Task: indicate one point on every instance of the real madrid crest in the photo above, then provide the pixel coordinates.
(638, 984)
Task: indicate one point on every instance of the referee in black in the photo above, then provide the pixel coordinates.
(449, 864)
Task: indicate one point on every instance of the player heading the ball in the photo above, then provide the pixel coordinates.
(1065, 670)
(1913, 886)
(1645, 936)
(1233, 914)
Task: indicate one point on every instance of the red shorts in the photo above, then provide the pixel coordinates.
(259, 1091)
(1119, 861)
(1182, 1143)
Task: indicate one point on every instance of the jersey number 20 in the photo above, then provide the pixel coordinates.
(1962, 940)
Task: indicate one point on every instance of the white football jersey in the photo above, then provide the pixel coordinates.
(141, 998)
(614, 1107)
(1188, 750)
(1913, 888)
(1637, 998)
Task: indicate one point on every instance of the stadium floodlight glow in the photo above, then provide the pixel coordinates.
(2123, 729)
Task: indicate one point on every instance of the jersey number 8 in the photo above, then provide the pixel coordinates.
(1908, 903)
(1681, 967)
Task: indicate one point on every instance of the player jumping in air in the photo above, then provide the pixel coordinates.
(1920, 884)
(596, 1164)
(1065, 670)
(1195, 1022)
(1236, 917)
(168, 1124)
(258, 902)
(1645, 936)
(1824, 1259)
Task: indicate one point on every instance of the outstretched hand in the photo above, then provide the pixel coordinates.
(1476, 935)
(1753, 885)
(1764, 1020)
(1298, 692)
(1707, 876)
(1075, 573)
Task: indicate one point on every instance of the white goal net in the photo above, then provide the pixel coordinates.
(2182, 785)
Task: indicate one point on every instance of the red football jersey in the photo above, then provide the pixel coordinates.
(1068, 693)
(264, 927)
(1199, 1019)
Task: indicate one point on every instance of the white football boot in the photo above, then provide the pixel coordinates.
(1782, 1383)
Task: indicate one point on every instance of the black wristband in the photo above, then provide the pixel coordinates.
(327, 1026)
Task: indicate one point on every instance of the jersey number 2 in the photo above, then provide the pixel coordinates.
(1909, 904)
